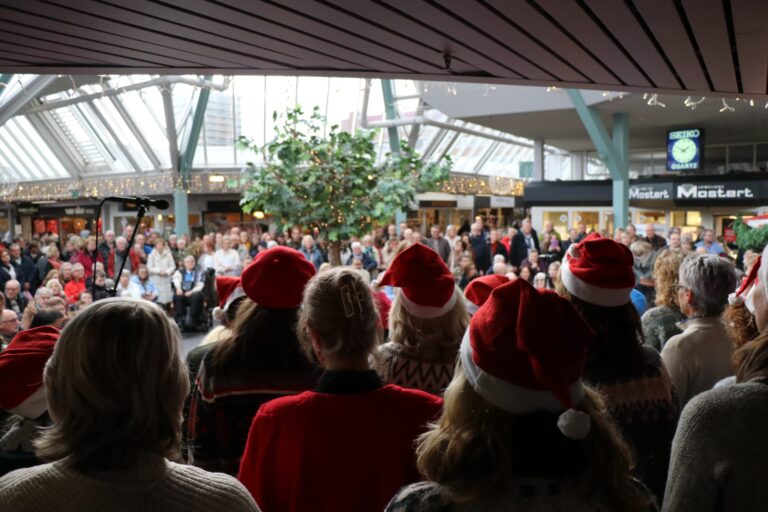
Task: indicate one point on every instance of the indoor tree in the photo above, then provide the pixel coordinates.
(333, 183)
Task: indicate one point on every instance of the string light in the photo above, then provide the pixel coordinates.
(727, 107)
(653, 101)
(693, 104)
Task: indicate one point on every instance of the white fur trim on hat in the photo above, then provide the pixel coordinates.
(511, 397)
(606, 297)
(471, 306)
(33, 406)
(428, 311)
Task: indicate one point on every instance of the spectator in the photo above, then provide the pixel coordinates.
(206, 260)
(84, 299)
(310, 252)
(8, 270)
(188, 285)
(357, 253)
(738, 317)
(572, 236)
(439, 244)
(25, 265)
(540, 281)
(96, 399)
(226, 261)
(182, 251)
(426, 322)
(121, 254)
(480, 250)
(534, 263)
(56, 289)
(100, 286)
(261, 359)
(660, 322)
(295, 241)
(581, 233)
(46, 263)
(658, 242)
(722, 432)
(507, 240)
(496, 248)
(598, 278)
(709, 244)
(9, 326)
(638, 301)
(460, 251)
(675, 244)
(512, 437)
(77, 284)
(701, 356)
(349, 421)
(128, 288)
(525, 241)
(499, 267)
(107, 247)
(451, 236)
(14, 300)
(526, 274)
(631, 231)
(644, 259)
(161, 267)
(42, 295)
(145, 284)
(553, 275)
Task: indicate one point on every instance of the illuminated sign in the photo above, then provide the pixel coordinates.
(684, 148)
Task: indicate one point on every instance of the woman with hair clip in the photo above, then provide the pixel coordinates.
(598, 278)
(520, 431)
(719, 451)
(426, 322)
(660, 322)
(258, 361)
(115, 387)
(347, 446)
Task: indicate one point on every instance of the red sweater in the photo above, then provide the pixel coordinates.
(335, 452)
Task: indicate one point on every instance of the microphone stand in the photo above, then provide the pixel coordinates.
(143, 207)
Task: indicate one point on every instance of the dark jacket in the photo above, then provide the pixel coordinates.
(441, 246)
(520, 249)
(5, 275)
(369, 263)
(481, 251)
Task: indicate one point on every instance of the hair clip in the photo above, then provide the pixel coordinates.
(350, 296)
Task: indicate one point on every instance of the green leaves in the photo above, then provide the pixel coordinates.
(333, 182)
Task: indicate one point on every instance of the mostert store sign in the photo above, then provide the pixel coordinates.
(716, 191)
(650, 192)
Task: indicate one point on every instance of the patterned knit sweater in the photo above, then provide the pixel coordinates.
(644, 407)
(719, 452)
(157, 486)
(422, 367)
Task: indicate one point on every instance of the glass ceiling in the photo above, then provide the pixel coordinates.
(68, 128)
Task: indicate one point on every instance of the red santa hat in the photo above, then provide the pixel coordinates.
(519, 366)
(428, 289)
(21, 371)
(228, 288)
(599, 271)
(478, 290)
(743, 296)
(276, 278)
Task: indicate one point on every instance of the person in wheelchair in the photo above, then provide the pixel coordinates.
(188, 284)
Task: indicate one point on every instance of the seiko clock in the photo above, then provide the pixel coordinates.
(684, 150)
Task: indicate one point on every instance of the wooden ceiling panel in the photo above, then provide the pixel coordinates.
(663, 20)
(707, 19)
(576, 21)
(626, 29)
(705, 47)
(750, 20)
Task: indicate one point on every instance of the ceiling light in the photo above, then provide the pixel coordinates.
(216, 178)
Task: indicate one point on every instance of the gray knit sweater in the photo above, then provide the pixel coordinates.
(719, 452)
(157, 486)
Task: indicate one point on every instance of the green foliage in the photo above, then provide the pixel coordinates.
(749, 238)
(333, 182)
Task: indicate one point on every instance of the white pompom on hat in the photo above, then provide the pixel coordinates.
(521, 368)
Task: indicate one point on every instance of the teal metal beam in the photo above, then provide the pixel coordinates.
(5, 81)
(613, 151)
(186, 158)
(394, 137)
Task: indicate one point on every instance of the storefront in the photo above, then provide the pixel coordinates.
(457, 210)
(685, 202)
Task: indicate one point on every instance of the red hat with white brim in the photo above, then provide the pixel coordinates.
(520, 367)
(478, 290)
(599, 271)
(427, 287)
(21, 371)
(229, 289)
(276, 278)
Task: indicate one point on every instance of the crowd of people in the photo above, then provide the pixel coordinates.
(476, 369)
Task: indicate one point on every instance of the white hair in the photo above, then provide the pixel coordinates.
(499, 258)
(500, 268)
(710, 278)
(356, 245)
(271, 244)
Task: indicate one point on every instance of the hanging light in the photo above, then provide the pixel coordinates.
(258, 214)
(216, 178)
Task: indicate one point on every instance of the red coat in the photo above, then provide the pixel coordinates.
(337, 453)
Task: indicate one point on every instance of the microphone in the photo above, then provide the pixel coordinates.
(160, 204)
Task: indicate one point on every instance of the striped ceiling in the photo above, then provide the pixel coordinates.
(702, 46)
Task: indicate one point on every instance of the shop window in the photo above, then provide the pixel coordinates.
(559, 220)
(741, 158)
(678, 219)
(692, 219)
(591, 219)
(608, 223)
(761, 154)
(714, 160)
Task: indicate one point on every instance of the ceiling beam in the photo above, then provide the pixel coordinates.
(23, 96)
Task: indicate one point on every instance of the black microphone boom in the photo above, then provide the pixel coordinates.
(160, 204)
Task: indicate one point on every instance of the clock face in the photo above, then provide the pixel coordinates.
(684, 150)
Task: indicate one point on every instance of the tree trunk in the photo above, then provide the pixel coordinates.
(334, 254)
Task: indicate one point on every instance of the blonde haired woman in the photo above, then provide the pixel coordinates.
(161, 266)
(426, 322)
(519, 430)
(115, 387)
(347, 446)
(660, 322)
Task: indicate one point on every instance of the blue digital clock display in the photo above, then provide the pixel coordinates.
(684, 149)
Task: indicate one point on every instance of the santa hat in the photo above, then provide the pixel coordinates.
(228, 289)
(21, 371)
(478, 290)
(599, 271)
(428, 289)
(745, 294)
(276, 278)
(519, 366)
